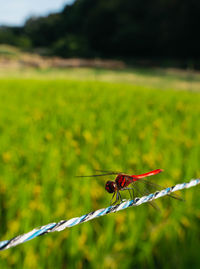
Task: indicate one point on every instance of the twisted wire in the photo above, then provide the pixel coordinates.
(63, 224)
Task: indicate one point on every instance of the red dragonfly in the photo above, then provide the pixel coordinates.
(122, 182)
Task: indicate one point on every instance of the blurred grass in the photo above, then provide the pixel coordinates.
(163, 79)
(53, 127)
(8, 50)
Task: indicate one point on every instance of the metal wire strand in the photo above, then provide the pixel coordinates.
(63, 224)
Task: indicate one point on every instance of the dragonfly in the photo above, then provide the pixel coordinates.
(131, 183)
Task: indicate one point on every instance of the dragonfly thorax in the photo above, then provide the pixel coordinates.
(111, 186)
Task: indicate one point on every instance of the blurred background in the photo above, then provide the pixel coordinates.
(152, 32)
(110, 85)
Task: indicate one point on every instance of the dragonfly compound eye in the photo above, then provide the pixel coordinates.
(110, 186)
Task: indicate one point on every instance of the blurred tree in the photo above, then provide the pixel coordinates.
(70, 46)
(14, 36)
(43, 31)
(117, 28)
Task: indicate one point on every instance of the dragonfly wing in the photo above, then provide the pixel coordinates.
(107, 171)
(100, 175)
(151, 186)
(140, 191)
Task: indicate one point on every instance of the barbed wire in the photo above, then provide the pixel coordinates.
(63, 224)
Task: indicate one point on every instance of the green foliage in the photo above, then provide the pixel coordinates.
(43, 31)
(70, 46)
(7, 36)
(54, 129)
(24, 42)
(14, 37)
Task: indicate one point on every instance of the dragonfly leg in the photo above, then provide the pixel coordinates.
(131, 193)
(119, 196)
(129, 190)
(112, 203)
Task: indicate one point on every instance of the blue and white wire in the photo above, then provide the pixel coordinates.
(63, 224)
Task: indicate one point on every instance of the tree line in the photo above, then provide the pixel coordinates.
(125, 29)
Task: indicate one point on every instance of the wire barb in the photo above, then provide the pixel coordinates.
(63, 224)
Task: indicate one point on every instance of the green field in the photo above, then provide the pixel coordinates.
(55, 125)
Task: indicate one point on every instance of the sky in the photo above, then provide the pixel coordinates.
(16, 12)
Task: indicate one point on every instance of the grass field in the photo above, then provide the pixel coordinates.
(58, 124)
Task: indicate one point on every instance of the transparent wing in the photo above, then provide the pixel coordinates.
(139, 190)
(108, 171)
(152, 187)
(100, 175)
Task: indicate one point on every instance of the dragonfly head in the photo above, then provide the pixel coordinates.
(111, 186)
